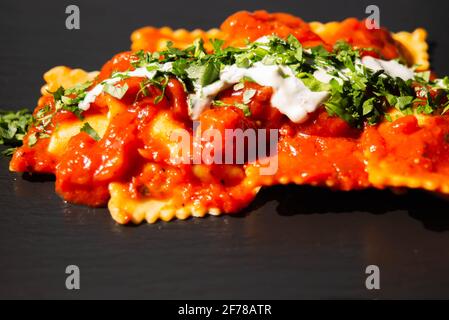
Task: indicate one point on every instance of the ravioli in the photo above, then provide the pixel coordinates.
(127, 163)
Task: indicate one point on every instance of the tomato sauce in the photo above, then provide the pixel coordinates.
(243, 26)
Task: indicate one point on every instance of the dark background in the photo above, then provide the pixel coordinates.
(294, 242)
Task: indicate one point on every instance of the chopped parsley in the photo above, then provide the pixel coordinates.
(248, 95)
(69, 99)
(32, 139)
(356, 94)
(115, 91)
(244, 107)
(13, 127)
(87, 128)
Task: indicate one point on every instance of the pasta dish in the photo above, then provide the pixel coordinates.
(190, 123)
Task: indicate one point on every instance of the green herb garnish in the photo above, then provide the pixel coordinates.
(87, 128)
(244, 107)
(357, 94)
(116, 91)
(13, 127)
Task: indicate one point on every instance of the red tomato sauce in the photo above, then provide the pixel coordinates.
(243, 26)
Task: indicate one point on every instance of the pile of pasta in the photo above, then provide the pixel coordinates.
(408, 153)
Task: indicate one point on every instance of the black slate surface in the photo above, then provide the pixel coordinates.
(293, 242)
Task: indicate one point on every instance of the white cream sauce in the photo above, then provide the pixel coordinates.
(392, 68)
(290, 95)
